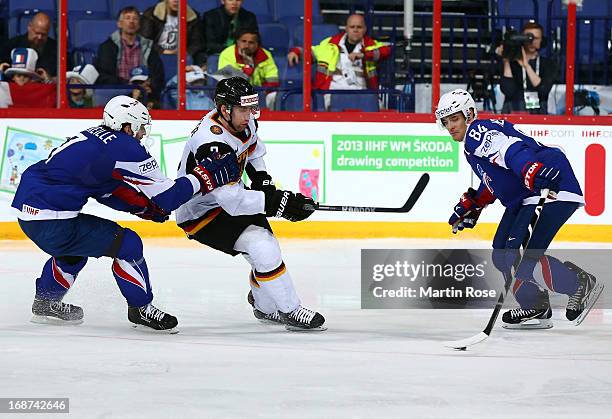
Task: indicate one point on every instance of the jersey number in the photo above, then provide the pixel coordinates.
(69, 141)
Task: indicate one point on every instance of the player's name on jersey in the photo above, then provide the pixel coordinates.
(102, 133)
(431, 292)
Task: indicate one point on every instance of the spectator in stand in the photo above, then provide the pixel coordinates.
(195, 98)
(220, 25)
(139, 76)
(27, 88)
(247, 56)
(526, 82)
(79, 97)
(347, 60)
(248, 59)
(126, 49)
(37, 38)
(160, 23)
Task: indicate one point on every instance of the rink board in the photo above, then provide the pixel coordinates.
(353, 163)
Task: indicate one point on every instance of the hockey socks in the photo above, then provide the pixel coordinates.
(57, 277)
(274, 290)
(556, 276)
(133, 280)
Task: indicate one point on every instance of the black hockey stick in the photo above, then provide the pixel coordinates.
(462, 344)
(412, 199)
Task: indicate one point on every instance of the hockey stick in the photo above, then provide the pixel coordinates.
(412, 199)
(462, 344)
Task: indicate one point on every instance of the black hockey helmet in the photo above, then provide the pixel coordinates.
(235, 91)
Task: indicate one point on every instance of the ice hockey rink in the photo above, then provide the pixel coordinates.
(224, 364)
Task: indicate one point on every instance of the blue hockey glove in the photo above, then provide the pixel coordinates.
(536, 177)
(153, 212)
(216, 171)
(466, 212)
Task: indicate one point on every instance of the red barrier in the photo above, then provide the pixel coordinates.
(595, 179)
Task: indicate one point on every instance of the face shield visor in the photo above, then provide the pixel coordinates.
(251, 102)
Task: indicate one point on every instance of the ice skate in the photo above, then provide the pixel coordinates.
(581, 302)
(303, 320)
(55, 312)
(527, 319)
(150, 318)
(272, 318)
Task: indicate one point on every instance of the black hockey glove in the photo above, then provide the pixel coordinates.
(262, 181)
(287, 205)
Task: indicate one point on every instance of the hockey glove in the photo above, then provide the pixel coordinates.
(153, 213)
(262, 181)
(288, 205)
(536, 177)
(216, 171)
(466, 212)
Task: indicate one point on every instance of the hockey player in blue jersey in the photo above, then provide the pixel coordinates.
(107, 163)
(514, 168)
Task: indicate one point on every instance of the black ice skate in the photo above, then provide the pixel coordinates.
(303, 320)
(55, 312)
(153, 319)
(581, 302)
(527, 319)
(273, 318)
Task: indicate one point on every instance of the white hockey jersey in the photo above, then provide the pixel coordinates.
(209, 135)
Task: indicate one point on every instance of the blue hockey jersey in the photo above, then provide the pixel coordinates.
(499, 153)
(93, 164)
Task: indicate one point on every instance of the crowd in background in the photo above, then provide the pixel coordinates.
(132, 56)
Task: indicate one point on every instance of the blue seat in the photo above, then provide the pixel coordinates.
(91, 33)
(141, 5)
(590, 27)
(366, 102)
(89, 9)
(212, 63)
(292, 12)
(290, 102)
(281, 64)
(525, 9)
(102, 96)
(170, 65)
(20, 7)
(261, 9)
(201, 6)
(591, 34)
(275, 37)
(320, 31)
(13, 27)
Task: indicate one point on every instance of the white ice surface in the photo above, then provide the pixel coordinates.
(223, 364)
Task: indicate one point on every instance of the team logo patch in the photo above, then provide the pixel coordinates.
(216, 129)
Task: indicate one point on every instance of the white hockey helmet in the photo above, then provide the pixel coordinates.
(458, 100)
(126, 110)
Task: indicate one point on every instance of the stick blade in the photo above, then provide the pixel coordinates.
(463, 344)
(416, 193)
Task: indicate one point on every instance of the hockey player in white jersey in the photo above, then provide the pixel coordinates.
(232, 218)
(514, 168)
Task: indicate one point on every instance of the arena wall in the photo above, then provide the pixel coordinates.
(341, 163)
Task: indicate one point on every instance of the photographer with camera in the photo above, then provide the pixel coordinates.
(527, 77)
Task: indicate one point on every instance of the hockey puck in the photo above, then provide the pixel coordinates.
(463, 348)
